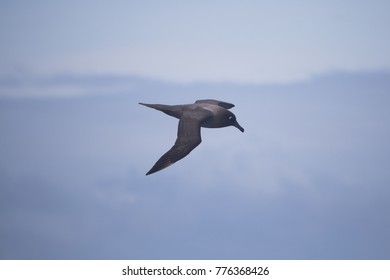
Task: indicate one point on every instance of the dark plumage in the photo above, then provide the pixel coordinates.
(203, 113)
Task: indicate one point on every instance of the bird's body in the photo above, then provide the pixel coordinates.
(203, 113)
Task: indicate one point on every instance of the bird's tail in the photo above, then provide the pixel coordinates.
(171, 110)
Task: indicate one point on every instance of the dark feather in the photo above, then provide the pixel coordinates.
(188, 138)
(216, 102)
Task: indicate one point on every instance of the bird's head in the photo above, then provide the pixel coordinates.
(233, 121)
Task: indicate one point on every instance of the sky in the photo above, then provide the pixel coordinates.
(190, 41)
(308, 179)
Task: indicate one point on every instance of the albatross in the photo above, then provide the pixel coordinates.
(208, 113)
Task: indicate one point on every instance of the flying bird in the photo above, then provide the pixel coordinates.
(203, 113)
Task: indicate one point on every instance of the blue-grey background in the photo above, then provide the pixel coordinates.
(308, 179)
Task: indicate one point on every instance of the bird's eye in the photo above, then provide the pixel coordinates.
(231, 117)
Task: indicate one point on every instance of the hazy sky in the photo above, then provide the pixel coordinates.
(239, 41)
(308, 179)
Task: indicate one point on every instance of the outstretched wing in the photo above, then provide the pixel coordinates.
(188, 137)
(216, 102)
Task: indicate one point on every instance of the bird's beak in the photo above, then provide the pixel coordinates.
(238, 126)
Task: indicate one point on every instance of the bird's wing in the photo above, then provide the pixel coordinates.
(216, 102)
(188, 137)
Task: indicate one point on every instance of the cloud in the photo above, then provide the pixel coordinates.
(68, 85)
(307, 180)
